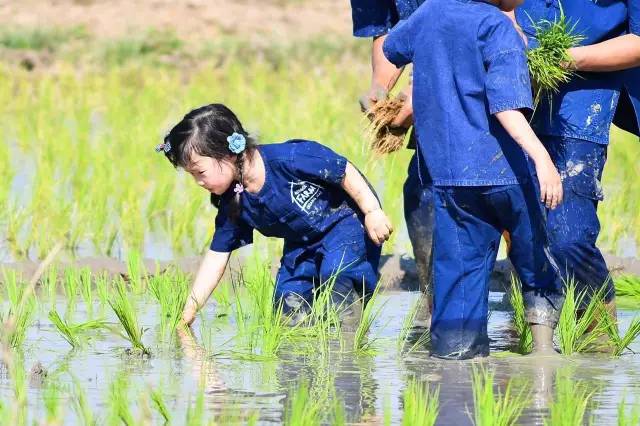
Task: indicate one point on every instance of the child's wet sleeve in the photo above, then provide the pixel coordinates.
(229, 236)
(372, 18)
(507, 83)
(398, 46)
(315, 162)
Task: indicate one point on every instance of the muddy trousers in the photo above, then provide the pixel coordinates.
(468, 225)
(419, 216)
(573, 227)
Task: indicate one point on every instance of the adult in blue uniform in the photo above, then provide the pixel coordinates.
(574, 123)
(330, 219)
(472, 137)
(374, 19)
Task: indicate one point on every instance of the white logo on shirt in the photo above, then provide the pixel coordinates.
(304, 194)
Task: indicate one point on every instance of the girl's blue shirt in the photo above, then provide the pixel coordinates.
(300, 201)
(585, 107)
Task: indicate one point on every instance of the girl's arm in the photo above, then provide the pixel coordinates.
(618, 53)
(211, 269)
(375, 221)
(515, 123)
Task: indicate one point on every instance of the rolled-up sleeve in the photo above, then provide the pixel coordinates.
(398, 46)
(507, 84)
(372, 18)
(229, 235)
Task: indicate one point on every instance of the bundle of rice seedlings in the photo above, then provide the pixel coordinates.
(628, 285)
(126, 313)
(384, 138)
(72, 332)
(160, 405)
(522, 327)
(619, 343)
(570, 403)
(550, 62)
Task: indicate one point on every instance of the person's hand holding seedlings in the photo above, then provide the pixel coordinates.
(404, 119)
(376, 222)
(383, 76)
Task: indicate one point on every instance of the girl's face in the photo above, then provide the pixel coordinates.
(213, 175)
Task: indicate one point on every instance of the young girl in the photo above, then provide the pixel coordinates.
(299, 190)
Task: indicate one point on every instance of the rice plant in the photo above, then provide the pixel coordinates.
(495, 409)
(160, 405)
(171, 291)
(86, 289)
(73, 333)
(51, 397)
(119, 411)
(81, 406)
(420, 404)
(301, 408)
(628, 416)
(125, 311)
(195, 411)
(135, 270)
(362, 342)
(407, 325)
(580, 330)
(522, 327)
(620, 343)
(550, 62)
(569, 407)
(20, 315)
(628, 285)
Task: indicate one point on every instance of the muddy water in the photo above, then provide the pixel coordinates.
(370, 386)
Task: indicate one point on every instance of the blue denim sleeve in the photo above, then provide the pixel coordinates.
(315, 162)
(229, 236)
(372, 18)
(507, 82)
(634, 16)
(398, 46)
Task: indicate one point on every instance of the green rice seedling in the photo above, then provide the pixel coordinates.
(550, 62)
(525, 339)
(171, 291)
(628, 416)
(119, 411)
(407, 324)
(491, 409)
(135, 270)
(576, 330)
(73, 333)
(50, 283)
(569, 407)
(86, 289)
(195, 412)
(627, 285)
(51, 397)
(620, 343)
(81, 406)
(102, 288)
(301, 408)
(71, 282)
(17, 320)
(15, 369)
(125, 311)
(362, 342)
(420, 405)
(160, 405)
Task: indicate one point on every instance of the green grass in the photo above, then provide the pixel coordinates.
(420, 405)
(628, 285)
(124, 309)
(493, 408)
(40, 38)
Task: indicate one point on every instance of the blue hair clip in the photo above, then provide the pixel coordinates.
(164, 146)
(237, 142)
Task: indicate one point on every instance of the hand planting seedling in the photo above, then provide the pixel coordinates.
(550, 64)
(384, 137)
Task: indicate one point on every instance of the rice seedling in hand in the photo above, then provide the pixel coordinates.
(628, 285)
(420, 404)
(522, 327)
(171, 291)
(495, 409)
(550, 64)
(125, 311)
(569, 407)
(384, 138)
(580, 330)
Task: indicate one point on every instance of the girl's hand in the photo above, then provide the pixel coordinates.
(550, 183)
(378, 226)
(189, 312)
